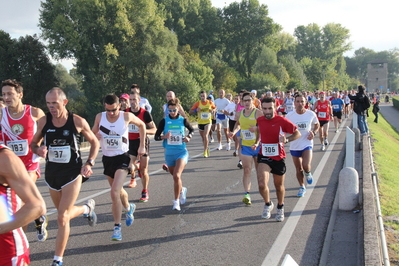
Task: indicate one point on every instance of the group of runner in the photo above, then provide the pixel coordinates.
(122, 130)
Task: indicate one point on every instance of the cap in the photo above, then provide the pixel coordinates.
(210, 97)
(124, 96)
(321, 93)
(253, 91)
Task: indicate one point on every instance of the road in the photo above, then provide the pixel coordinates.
(214, 227)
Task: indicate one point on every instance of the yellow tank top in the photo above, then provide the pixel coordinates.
(248, 138)
(204, 116)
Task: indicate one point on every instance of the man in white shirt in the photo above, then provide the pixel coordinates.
(144, 103)
(222, 121)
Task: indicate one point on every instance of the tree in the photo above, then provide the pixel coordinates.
(247, 28)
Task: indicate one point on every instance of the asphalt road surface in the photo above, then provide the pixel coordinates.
(214, 227)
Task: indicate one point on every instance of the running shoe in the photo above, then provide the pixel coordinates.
(183, 195)
(176, 205)
(129, 215)
(133, 182)
(41, 230)
(117, 235)
(228, 146)
(301, 192)
(220, 147)
(144, 196)
(336, 131)
(247, 199)
(206, 154)
(239, 165)
(235, 153)
(326, 142)
(309, 178)
(165, 167)
(323, 147)
(280, 215)
(210, 139)
(267, 211)
(91, 216)
(56, 263)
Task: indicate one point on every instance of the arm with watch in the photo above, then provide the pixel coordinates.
(89, 135)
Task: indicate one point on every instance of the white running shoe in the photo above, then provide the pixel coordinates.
(267, 211)
(219, 147)
(326, 142)
(176, 205)
(228, 146)
(280, 215)
(183, 195)
(323, 147)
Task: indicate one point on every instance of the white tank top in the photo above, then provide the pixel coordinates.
(114, 136)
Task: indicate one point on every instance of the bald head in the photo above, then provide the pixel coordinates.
(57, 91)
(170, 95)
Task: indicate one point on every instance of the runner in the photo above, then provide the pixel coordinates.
(204, 110)
(134, 143)
(144, 103)
(337, 107)
(59, 130)
(19, 124)
(124, 99)
(347, 102)
(230, 111)
(246, 119)
(271, 157)
(324, 112)
(301, 149)
(172, 129)
(288, 103)
(112, 128)
(240, 107)
(16, 186)
(222, 121)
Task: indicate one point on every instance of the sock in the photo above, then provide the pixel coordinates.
(269, 203)
(117, 225)
(280, 206)
(56, 258)
(127, 209)
(87, 209)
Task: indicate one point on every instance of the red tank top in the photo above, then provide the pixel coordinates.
(13, 243)
(18, 133)
(323, 111)
(133, 129)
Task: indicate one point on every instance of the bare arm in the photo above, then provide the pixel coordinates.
(13, 173)
(37, 113)
(37, 139)
(84, 128)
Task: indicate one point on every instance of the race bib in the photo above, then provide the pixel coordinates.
(59, 154)
(248, 135)
(335, 106)
(302, 125)
(176, 138)
(133, 128)
(19, 147)
(289, 108)
(112, 143)
(322, 114)
(270, 149)
(205, 116)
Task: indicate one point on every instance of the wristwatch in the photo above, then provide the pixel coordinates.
(90, 162)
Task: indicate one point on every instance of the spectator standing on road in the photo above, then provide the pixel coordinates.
(174, 139)
(19, 124)
(246, 122)
(324, 113)
(16, 186)
(361, 104)
(112, 128)
(59, 130)
(376, 109)
(271, 158)
(337, 108)
(302, 149)
(134, 143)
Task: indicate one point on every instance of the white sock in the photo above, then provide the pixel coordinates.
(56, 258)
(87, 209)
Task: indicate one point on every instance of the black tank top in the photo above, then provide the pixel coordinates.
(63, 156)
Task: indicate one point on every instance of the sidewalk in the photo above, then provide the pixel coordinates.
(390, 113)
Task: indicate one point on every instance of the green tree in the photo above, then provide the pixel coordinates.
(247, 28)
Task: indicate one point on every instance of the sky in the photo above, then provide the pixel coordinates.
(371, 23)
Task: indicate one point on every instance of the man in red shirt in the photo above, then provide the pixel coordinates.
(271, 157)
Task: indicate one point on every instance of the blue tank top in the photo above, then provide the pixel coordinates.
(177, 128)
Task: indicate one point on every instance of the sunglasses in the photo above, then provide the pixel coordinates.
(172, 110)
(113, 110)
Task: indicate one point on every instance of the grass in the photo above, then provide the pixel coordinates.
(386, 160)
